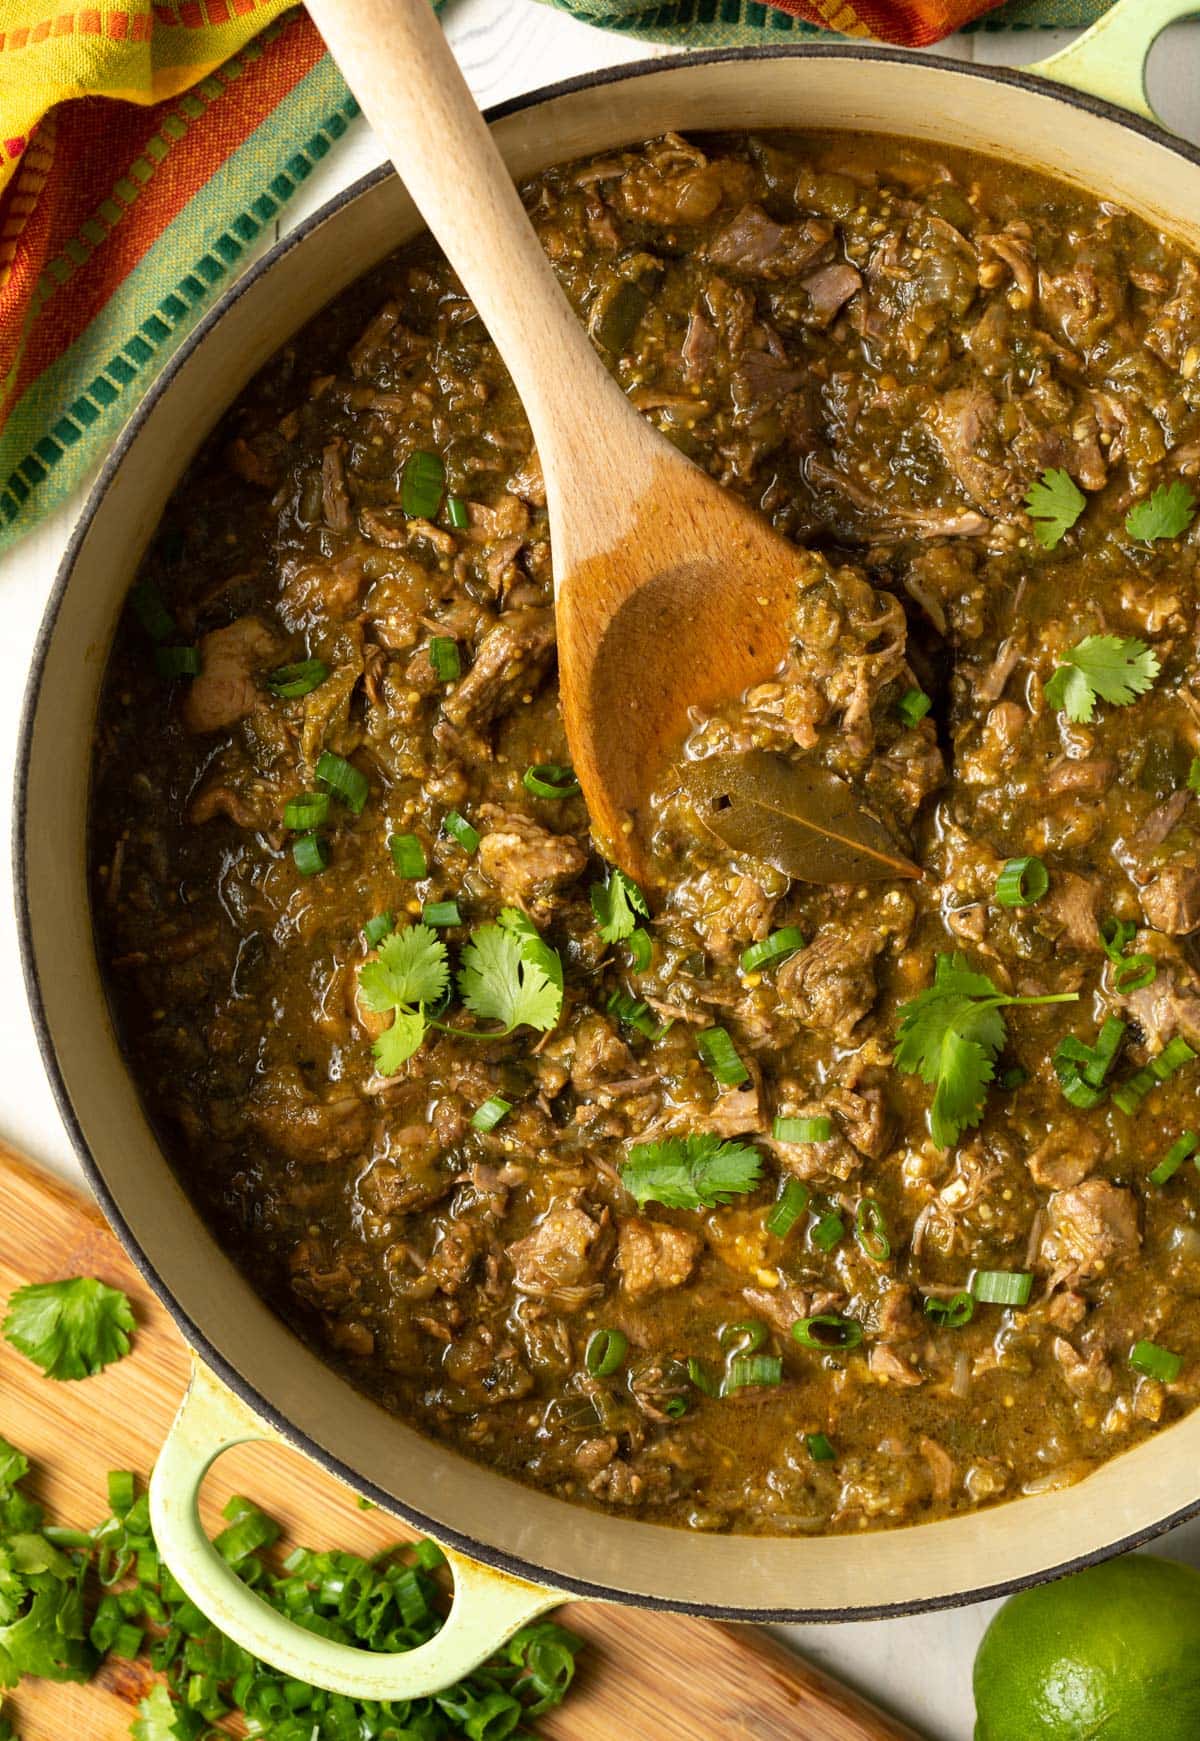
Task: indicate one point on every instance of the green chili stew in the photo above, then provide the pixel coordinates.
(742, 1203)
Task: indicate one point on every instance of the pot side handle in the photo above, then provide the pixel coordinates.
(488, 1607)
(1109, 60)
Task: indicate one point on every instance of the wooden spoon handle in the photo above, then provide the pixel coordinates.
(403, 72)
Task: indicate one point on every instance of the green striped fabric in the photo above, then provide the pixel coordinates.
(739, 23)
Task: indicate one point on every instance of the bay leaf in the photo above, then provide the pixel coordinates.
(801, 818)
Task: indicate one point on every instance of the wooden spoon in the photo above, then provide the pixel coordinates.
(671, 594)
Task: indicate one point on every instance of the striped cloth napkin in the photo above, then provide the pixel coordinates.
(145, 147)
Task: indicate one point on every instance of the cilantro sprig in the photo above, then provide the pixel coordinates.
(1055, 502)
(950, 1035)
(1116, 671)
(507, 974)
(617, 905)
(691, 1172)
(1167, 513)
(71, 1329)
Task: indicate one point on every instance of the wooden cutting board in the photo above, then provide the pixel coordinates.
(644, 1677)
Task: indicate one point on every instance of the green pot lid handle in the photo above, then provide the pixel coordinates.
(488, 1607)
(1109, 60)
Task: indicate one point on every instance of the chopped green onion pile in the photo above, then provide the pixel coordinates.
(394, 1601)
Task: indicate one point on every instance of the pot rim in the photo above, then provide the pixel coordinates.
(191, 1331)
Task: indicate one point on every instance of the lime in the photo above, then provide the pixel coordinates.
(1111, 1653)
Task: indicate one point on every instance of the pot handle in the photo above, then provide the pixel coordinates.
(488, 1607)
(1109, 60)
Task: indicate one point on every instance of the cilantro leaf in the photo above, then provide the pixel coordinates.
(500, 981)
(1167, 514)
(396, 1044)
(71, 1329)
(411, 968)
(533, 946)
(1115, 670)
(617, 904)
(950, 1036)
(1055, 503)
(691, 1172)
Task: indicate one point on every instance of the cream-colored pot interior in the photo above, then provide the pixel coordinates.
(831, 88)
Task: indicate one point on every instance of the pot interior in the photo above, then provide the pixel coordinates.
(828, 1577)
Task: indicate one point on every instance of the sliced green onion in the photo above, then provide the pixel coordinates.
(441, 913)
(177, 661)
(342, 777)
(1180, 1150)
(307, 811)
(1076, 1090)
(550, 780)
(791, 1204)
(1155, 1362)
(1104, 1054)
(310, 854)
(720, 1054)
(408, 855)
(456, 512)
(748, 1369)
(953, 1313)
(1115, 934)
(775, 948)
(828, 1330)
(121, 1491)
(675, 1406)
(458, 826)
(444, 657)
(702, 1378)
(1002, 1287)
(819, 1448)
(870, 1230)
(1082, 1069)
(493, 1111)
(802, 1130)
(605, 1351)
(1130, 1095)
(1193, 779)
(1014, 1078)
(746, 1337)
(290, 682)
(640, 945)
(827, 1231)
(421, 484)
(146, 603)
(376, 929)
(913, 706)
(1022, 882)
(1134, 973)
(1174, 1055)
(635, 1015)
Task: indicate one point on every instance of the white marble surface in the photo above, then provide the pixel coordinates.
(920, 1667)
